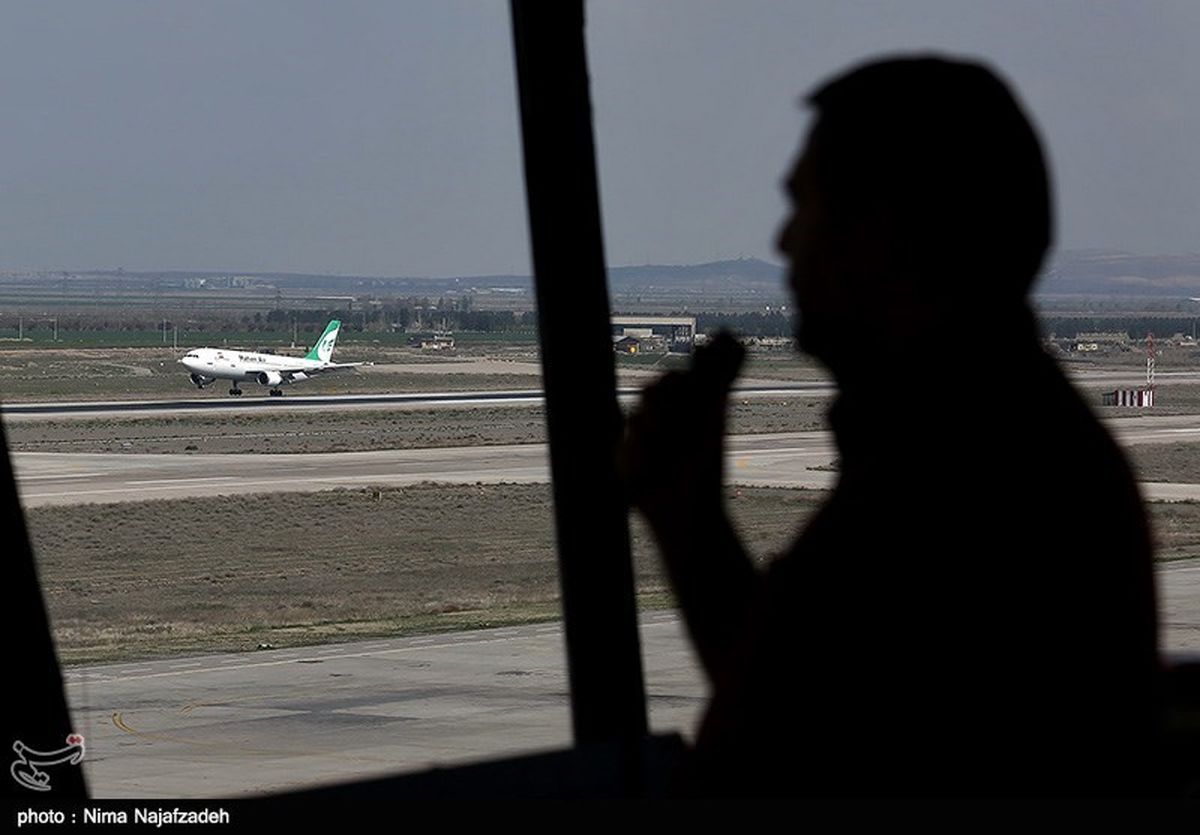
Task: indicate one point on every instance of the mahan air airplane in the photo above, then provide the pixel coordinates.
(207, 365)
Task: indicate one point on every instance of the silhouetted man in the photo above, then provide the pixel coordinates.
(972, 611)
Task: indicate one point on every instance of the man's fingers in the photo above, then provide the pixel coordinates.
(672, 443)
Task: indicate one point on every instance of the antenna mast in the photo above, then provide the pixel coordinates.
(1148, 397)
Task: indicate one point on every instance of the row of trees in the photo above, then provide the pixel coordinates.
(420, 315)
(1137, 327)
(746, 324)
(398, 316)
(1063, 327)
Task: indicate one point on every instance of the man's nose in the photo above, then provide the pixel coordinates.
(783, 238)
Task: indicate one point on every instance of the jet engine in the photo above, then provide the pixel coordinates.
(201, 382)
(270, 378)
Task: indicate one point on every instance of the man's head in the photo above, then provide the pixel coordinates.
(922, 188)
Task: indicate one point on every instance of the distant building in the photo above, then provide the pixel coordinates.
(1100, 341)
(655, 334)
(436, 341)
(626, 344)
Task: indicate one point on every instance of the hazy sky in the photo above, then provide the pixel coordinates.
(381, 137)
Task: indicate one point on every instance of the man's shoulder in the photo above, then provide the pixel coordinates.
(1033, 400)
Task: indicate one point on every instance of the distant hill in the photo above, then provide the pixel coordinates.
(743, 274)
(719, 276)
(738, 276)
(1117, 274)
(1089, 273)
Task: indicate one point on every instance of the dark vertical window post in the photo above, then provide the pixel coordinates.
(584, 422)
(36, 712)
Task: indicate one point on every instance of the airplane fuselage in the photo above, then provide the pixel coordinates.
(245, 366)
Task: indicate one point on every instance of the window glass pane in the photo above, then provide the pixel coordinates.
(353, 575)
(699, 116)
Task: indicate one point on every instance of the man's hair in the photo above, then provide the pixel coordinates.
(948, 150)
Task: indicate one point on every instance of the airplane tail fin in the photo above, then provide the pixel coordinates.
(322, 350)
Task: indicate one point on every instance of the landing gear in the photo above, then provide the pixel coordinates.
(277, 392)
(235, 391)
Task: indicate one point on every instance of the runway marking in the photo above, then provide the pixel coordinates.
(56, 477)
(1144, 436)
(409, 400)
(817, 449)
(150, 736)
(281, 661)
(183, 480)
(660, 622)
(538, 473)
(468, 639)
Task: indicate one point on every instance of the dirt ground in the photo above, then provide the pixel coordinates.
(163, 578)
(345, 430)
(1179, 463)
(225, 574)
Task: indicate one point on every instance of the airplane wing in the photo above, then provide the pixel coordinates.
(329, 366)
(340, 366)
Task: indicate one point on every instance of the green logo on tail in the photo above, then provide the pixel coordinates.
(323, 349)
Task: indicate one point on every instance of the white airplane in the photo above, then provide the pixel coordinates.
(207, 365)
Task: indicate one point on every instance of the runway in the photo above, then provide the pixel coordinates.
(72, 478)
(223, 725)
(256, 398)
(224, 403)
(253, 401)
(795, 459)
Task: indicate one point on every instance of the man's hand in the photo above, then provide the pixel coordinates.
(672, 464)
(672, 458)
